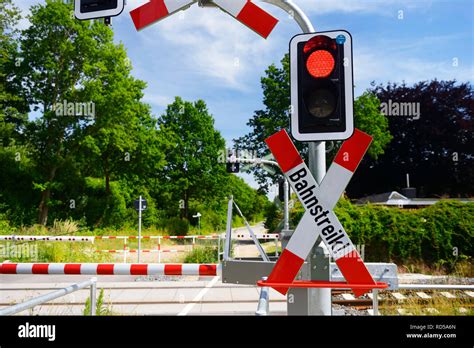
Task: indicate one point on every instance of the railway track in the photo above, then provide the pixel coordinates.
(399, 302)
(410, 302)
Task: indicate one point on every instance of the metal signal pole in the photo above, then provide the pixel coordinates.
(310, 301)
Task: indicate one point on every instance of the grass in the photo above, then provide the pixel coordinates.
(270, 249)
(417, 306)
(207, 254)
(101, 308)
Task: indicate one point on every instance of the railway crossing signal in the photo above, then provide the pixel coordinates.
(136, 204)
(91, 9)
(321, 86)
(232, 165)
(281, 190)
(319, 220)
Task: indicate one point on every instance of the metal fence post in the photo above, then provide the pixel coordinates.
(218, 249)
(264, 300)
(93, 295)
(30, 304)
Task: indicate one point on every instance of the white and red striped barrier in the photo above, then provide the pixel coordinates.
(92, 238)
(249, 14)
(213, 236)
(142, 251)
(48, 238)
(112, 269)
(319, 218)
(245, 11)
(246, 236)
(239, 236)
(156, 10)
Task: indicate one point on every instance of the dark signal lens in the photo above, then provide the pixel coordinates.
(320, 64)
(321, 103)
(320, 42)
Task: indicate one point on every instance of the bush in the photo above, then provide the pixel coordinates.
(5, 227)
(177, 227)
(274, 218)
(206, 254)
(438, 235)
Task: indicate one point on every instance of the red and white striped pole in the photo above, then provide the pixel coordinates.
(186, 269)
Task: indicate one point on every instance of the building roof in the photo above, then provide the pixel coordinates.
(395, 198)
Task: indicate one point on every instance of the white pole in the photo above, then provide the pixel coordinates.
(228, 231)
(139, 226)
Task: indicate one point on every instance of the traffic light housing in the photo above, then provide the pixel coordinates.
(90, 9)
(232, 166)
(322, 97)
(281, 190)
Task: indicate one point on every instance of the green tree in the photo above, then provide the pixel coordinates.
(434, 145)
(368, 118)
(15, 172)
(123, 140)
(275, 116)
(59, 55)
(13, 107)
(192, 169)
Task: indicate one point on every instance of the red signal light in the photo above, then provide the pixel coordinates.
(320, 64)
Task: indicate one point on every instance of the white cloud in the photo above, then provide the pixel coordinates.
(382, 7)
(24, 7)
(156, 99)
(210, 43)
(379, 65)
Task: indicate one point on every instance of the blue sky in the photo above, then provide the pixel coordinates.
(203, 53)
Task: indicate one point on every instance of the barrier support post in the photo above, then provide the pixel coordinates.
(321, 298)
(375, 301)
(316, 301)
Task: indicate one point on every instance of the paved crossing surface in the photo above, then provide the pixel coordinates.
(124, 295)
